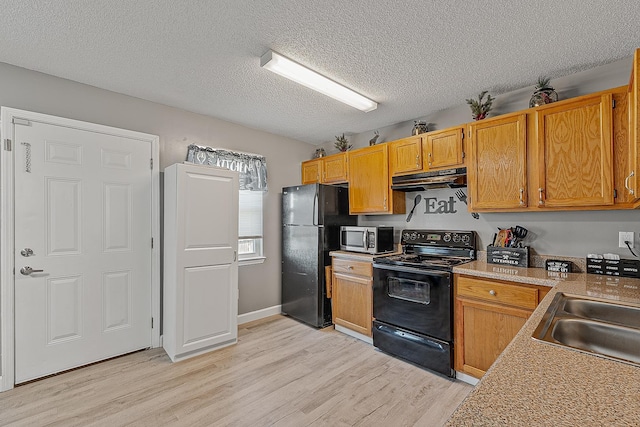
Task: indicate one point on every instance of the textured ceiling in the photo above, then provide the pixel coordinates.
(413, 57)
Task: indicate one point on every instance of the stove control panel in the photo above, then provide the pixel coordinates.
(458, 239)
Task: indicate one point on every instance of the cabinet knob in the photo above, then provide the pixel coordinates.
(492, 292)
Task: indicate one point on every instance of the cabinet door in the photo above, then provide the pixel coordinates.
(575, 152)
(334, 168)
(405, 155)
(200, 260)
(369, 190)
(443, 149)
(311, 171)
(622, 163)
(483, 331)
(632, 182)
(497, 164)
(353, 302)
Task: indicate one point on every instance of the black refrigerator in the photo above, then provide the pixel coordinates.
(311, 218)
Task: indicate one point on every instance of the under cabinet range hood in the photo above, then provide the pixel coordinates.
(449, 178)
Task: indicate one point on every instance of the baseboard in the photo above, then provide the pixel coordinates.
(354, 334)
(259, 314)
(466, 378)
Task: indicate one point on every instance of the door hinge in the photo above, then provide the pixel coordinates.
(613, 103)
(7, 144)
(151, 163)
(463, 154)
(23, 122)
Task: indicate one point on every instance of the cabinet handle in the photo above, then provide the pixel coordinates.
(522, 197)
(492, 292)
(540, 201)
(430, 158)
(417, 160)
(626, 183)
(385, 202)
(349, 267)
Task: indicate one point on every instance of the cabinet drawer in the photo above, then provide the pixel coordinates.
(358, 268)
(519, 296)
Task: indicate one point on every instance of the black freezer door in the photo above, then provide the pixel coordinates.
(316, 204)
(303, 285)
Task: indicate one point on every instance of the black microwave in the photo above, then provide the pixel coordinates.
(372, 240)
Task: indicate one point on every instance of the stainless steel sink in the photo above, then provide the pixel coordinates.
(606, 328)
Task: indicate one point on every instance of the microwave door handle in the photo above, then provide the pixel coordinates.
(365, 239)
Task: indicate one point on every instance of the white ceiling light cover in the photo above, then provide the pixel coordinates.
(285, 67)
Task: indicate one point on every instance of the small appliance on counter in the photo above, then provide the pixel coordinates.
(311, 219)
(371, 240)
(413, 297)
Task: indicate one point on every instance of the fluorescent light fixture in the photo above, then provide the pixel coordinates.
(279, 64)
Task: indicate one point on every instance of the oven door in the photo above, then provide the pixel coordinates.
(414, 299)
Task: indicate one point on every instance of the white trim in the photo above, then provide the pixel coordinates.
(249, 261)
(259, 314)
(354, 334)
(466, 378)
(6, 256)
(7, 349)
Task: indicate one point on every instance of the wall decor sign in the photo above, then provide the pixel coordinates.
(435, 206)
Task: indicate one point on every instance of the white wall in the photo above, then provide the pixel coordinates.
(551, 233)
(28, 90)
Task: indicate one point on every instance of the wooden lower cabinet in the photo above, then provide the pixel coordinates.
(488, 315)
(352, 295)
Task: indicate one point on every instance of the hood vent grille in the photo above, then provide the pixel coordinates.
(450, 178)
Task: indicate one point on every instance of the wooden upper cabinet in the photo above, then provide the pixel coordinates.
(311, 171)
(405, 156)
(369, 184)
(632, 181)
(334, 168)
(497, 172)
(622, 159)
(575, 152)
(443, 149)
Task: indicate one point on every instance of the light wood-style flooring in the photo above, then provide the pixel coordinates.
(281, 373)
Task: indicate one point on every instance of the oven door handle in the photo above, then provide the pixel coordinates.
(405, 269)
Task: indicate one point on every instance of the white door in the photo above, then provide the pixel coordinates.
(201, 267)
(82, 217)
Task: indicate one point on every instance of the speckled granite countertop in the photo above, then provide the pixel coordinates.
(537, 384)
(358, 256)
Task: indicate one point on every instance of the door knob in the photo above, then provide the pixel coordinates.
(28, 270)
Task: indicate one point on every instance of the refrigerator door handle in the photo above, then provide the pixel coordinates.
(315, 206)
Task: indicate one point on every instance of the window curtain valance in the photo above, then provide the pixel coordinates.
(251, 167)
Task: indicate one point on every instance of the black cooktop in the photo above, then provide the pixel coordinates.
(433, 249)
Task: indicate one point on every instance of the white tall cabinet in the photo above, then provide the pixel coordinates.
(200, 294)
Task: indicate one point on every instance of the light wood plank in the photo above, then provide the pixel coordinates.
(281, 373)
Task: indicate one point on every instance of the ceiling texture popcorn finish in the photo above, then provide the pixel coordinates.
(413, 57)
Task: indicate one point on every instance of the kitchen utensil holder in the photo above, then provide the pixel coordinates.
(515, 257)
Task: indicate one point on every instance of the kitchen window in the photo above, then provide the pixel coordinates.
(250, 227)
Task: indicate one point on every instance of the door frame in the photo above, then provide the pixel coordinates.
(7, 264)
